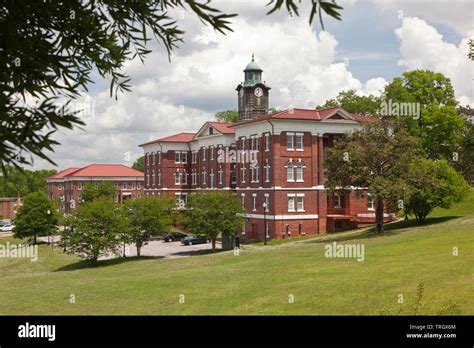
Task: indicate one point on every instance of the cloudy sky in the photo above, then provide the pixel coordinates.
(375, 42)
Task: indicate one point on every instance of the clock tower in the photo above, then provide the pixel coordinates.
(252, 93)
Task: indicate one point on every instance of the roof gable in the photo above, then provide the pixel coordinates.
(214, 128)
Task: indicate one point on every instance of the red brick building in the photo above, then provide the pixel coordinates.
(66, 186)
(9, 207)
(273, 159)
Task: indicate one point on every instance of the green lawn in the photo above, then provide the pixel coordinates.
(261, 279)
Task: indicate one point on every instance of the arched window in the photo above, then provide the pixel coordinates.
(290, 174)
(299, 171)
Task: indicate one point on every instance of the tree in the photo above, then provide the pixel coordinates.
(212, 213)
(147, 216)
(353, 103)
(19, 182)
(376, 158)
(93, 191)
(432, 184)
(51, 49)
(421, 86)
(93, 229)
(36, 217)
(230, 115)
(441, 131)
(438, 123)
(139, 164)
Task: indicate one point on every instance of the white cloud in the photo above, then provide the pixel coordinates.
(423, 47)
(456, 14)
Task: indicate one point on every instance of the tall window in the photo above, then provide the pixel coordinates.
(267, 142)
(185, 178)
(177, 178)
(233, 173)
(204, 177)
(299, 141)
(299, 171)
(159, 157)
(290, 172)
(242, 169)
(153, 178)
(289, 141)
(267, 171)
(300, 203)
(194, 157)
(203, 153)
(267, 202)
(221, 175)
(291, 203)
(211, 178)
(184, 157)
(254, 202)
(242, 197)
(337, 201)
(370, 202)
(193, 178)
(177, 157)
(159, 178)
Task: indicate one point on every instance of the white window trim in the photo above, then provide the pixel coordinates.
(254, 202)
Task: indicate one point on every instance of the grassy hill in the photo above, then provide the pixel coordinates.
(261, 280)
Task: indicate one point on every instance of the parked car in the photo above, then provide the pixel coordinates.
(8, 227)
(190, 240)
(174, 236)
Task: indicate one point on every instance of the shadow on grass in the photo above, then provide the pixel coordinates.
(389, 229)
(103, 263)
(197, 252)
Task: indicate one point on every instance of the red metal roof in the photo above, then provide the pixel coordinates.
(306, 114)
(183, 137)
(61, 174)
(222, 127)
(106, 170)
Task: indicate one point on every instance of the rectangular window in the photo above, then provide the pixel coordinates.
(242, 169)
(289, 141)
(159, 157)
(153, 157)
(185, 178)
(79, 186)
(124, 185)
(138, 186)
(337, 201)
(203, 153)
(254, 203)
(212, 153)
(194, 157)
(267, 142)
(221, 176)
(177, 178)
(242, 197)
(193, 178)
(300, 203)
(60, 187)
(267, 202)
(133, 186)
(177, 157)
(299, 142)
(184, 157)
(233, 174)
(370, 202)
(291, 203)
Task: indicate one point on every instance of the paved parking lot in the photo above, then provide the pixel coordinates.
(156, 248)
(171, 249)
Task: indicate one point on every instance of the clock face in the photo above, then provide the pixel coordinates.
(258, 92)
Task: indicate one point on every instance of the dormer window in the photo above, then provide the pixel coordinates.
(211, 131)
